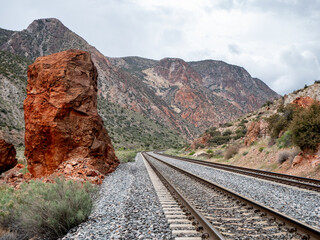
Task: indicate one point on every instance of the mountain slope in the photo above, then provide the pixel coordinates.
(234, 83)
(177, 95)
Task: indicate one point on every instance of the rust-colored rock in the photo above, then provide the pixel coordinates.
(7, 156)
(61, 117)
(255, 130)
(203, 140)
(304, 102)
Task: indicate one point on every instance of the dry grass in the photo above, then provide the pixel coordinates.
(231, 151)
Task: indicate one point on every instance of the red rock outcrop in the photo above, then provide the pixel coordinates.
(7, 156)
(311, 158)
(61, 117)
(303, 102)
(255, 130)
(203, 140)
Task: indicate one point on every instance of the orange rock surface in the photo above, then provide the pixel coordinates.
(255, 130)
(203, 140)
(7, 156)
(303, 101)
(61, 117)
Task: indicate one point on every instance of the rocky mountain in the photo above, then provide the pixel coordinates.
(204, 93)
(186, 97)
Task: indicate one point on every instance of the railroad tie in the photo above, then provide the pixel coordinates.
(181, 227)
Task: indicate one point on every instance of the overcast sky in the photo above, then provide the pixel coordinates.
(277, 41)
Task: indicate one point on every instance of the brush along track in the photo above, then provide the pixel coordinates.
(235, 216)
(301, 182)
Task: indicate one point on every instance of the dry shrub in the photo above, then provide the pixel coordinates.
(287, 155)
(293, 154)
(45, 210)
(283, 156)
(231, 151)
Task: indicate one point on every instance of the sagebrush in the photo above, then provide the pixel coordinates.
(45, 210)
(231, 151)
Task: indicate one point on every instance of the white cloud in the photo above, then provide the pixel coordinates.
(276, 41)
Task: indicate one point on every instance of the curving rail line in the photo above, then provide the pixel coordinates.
(292, 225)
(301, 182)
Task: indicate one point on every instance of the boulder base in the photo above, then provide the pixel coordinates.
(7, 156)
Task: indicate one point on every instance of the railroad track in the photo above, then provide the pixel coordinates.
(301, 182)
(223, 214)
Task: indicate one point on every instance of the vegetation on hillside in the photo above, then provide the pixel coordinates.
(296, 125)
(13, 84)
(131, 130)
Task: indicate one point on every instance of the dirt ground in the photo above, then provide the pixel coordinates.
(261, 156)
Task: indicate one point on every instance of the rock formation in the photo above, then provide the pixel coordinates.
(303, 102)
(7, 156)
(255, 130)
(61, 118)
(201, 141)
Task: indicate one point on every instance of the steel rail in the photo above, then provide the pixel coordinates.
(301, 182)
(307, 231)
(208, 231)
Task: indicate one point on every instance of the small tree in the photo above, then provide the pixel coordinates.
(305, 128)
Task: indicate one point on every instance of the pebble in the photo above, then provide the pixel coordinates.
(126, 207)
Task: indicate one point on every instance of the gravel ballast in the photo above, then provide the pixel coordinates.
(299, 204)
(127, 208)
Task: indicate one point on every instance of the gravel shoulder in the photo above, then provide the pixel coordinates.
(300, 204)
(127, 207)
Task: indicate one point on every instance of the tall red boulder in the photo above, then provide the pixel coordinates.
(61, 117)
(7, 156)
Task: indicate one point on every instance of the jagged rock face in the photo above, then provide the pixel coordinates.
(303, 102)
(312, 91)
(255, 130)
(176, 70)
(7, 156)
(234, 83)
(61, 117)
(181, 87)
(202, 141)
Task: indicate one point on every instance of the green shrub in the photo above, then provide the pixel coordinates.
(191, 153)
(285, 140)
(46, 210)
(227, 133)
(261, 149)
(305, 128)
(245, 153)
(209, 151)
(278, 123)
(213, 132)
(199, 145)
(219, 140)
(267, 104)
(126, 155)
(225, 124)
(231, 151)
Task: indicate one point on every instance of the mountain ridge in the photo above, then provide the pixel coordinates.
(169, 91)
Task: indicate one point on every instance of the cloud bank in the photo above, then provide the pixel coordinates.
(276, 41)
